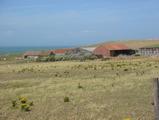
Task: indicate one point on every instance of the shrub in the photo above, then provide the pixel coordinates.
(56, 75)
(46, 59)
(31, 103)
(85, 68)
(137, 54)
(23, 70)
(95, 68)
(51, 58)
(38, 59)
(25, 107)
(79, 86)
(66, 99)
(125, 69)
(23, 104)
(23, 99)
(117, 74)
(88, 57)
(105, 59)
(14, 103)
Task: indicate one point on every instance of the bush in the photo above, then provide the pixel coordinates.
(125, 69)
(79, 86)
(23, 99)
(90, 57)
(105, 59)
(137, 54)
(22, 103)
(65, 57)
(25, 107)
(14, 103)
(58, 57)
(81, 57)
(26, 70)
(66, 99)
(46, 59)
(31, 103)
(51, 58)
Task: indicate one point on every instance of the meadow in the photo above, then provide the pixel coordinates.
(95, 90)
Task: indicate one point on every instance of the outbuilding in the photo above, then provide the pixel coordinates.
(113, 50)
(149, 51)
(36, 54)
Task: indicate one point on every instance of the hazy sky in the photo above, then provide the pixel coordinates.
(76, 22)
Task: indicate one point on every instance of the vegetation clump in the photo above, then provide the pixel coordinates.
(79, 86)
(125, 69)
(22, 103)
(23, 70)
(23, 99)
(66, 99)
(25, 107)
(14, 103)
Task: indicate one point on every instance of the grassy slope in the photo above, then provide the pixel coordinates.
(112, 90)
(134, 43)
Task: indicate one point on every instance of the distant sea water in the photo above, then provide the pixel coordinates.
(18, 50)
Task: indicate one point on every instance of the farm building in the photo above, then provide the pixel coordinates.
(60, 51)
(112, 50)
(36, 54)
(149, 51)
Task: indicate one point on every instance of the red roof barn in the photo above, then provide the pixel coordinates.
(110, 50)
(36, 54)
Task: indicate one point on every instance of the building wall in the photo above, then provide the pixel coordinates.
(31, 57)
(102, 51)
(149, 51)
(122, 52)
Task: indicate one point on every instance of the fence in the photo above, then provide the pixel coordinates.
(156, 98)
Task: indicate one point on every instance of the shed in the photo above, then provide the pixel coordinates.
(112, 50)
(36, 54)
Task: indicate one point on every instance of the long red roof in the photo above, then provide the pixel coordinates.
(115, 47)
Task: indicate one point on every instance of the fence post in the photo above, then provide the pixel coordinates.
(156, 98)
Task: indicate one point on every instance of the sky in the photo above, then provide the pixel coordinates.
(76, 22)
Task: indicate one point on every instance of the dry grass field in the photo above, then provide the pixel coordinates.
(97, 90)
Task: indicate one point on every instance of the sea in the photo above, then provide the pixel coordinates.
(19, 50)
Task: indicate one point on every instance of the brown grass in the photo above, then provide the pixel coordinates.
(111, 90)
